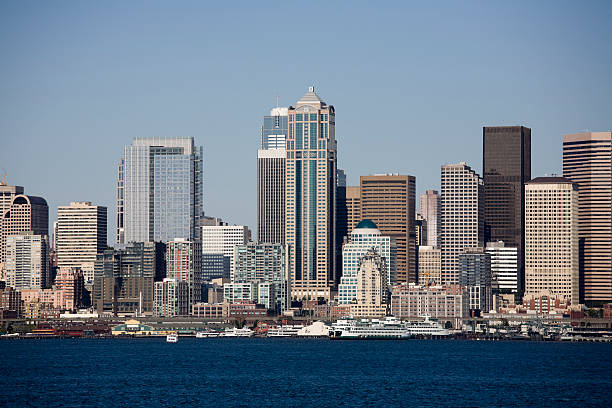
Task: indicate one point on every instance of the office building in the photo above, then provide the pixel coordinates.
(551, 237)
(310, 206)
(389, 201)
(136, 260)
(504, 267)
(430, 211)
(587, 161)
(159, 190)
(221, 240)
(462, 216)
(27, 261)
(506, 163)
(123, 296)
(24, 214)
(372, 290)
(7, 193)
(438, 302)
(365, 237)
(430, 265)
(420, 228)
(171, 298)
(81, 236)
(184, 263)
(475, 275)
(69, 284)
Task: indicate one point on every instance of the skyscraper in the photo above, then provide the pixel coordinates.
(475, 274)
(221, 240)
(159, 190)
(184, 263)
(389, 201)
(462, 225)
(504, 267)
(27, 261)
(587, 161)
(430, 211)
(310, 216)
(271, 177)
(551, 237)
(81, 236)
(24, 214)
(506, 164)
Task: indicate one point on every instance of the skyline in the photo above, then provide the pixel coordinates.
(81, 92)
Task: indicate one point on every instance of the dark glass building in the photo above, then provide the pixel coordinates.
(506, 166)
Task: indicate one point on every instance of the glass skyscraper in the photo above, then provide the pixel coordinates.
(159, 190)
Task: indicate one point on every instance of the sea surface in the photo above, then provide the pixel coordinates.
(303, 373)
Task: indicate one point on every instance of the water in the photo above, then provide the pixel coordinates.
(294, 372)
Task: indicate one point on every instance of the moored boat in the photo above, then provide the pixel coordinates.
(172, 338)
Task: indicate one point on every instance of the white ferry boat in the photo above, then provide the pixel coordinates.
(234, 332)
(388, 328)
(317, 329)
(285, 331)
(206, 334)
(172, 338)
(427, 327)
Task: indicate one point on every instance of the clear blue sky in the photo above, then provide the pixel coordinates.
(412, 84)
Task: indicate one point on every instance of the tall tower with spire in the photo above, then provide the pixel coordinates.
(310, 198)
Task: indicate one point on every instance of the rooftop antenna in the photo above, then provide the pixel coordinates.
(3, 182)
(277, 100)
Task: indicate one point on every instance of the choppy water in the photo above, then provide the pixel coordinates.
(299, 373)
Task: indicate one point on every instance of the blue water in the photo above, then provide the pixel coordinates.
(292, 372)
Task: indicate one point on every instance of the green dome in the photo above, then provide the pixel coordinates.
(366, 224)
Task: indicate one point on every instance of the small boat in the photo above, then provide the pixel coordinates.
(172, 338)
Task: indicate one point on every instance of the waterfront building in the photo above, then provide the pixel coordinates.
(462, 222)
(389, 201)
(504, 267)
(210, 310)
(372, 293)
(438, 302)
(123, 296)
(10, 302)
(420, 228)
(247, 291)
(506, 164)
(551, 237)
(27, 261)
(221, 240)
(81, 236)
(475, 274)
(184, 263)
(365, 236)
(271, 162)
(159, 190)
(430, 211)
(587, 161)
(430, 265)
(310, 206)
(265, 265)
(171, 298)
(24, 214)
(69, 284)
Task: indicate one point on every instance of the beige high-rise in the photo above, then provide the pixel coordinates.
(81, 236)
(551, 237)
(389, 201)
(587, 161)
(310, 198)
(24, 214)
(429, 265)
(353, 206)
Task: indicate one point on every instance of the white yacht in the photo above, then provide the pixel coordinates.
(235, 332)
(172, 338)
(285, 331)
(427, 327)
(388, 328)
(206, 334)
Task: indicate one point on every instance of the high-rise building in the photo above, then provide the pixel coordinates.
(171, 298)
(462, 216)
(184, 263)
(551, 237)
(372, 289)
(587, 161)
(430, 211)
(310, 206)
(389, 201)
(159, 190)
(27, 261)
(475, 274)
(353, 207)
(6, 197)
(504, 267)
(420, 228)
(69, 284)
(81, 236)
(266, 266)
(221, 240)
(429, 265)
(506, 164)
(24, 214)
(341, 216)
(365, 237)
(271, 160)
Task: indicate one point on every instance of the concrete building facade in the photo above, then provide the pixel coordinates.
(171, 298)
(504, 267)
(475, 275)
(24, 214)
(222, 239)
(27, 261)
(430, 265)
(430, 211)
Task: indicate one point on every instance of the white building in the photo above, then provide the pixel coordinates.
(27, 262)
(372, 288)
(365, 236)
(504, 266)
(222, 239)
(80, 236)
